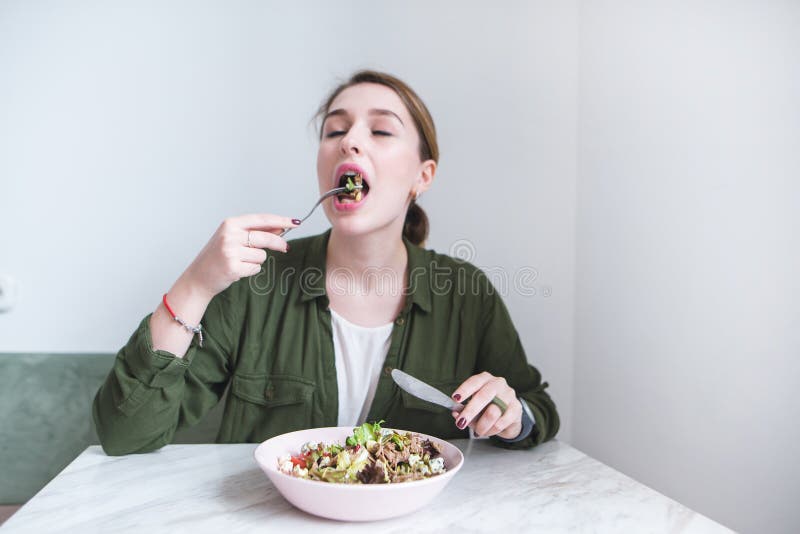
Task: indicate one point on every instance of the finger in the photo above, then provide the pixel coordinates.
(279, 231)
(250, 269)
(470, 386)
(259, 240)
(513, 415)
(480, 400)
(253, 255)
(486, 420)
(263, 221)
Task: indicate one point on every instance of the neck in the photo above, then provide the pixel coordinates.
(375, 250)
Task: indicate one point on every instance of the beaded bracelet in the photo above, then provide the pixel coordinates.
(193, 329)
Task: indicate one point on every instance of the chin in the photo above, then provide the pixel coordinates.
(351, 227)
(353, 223)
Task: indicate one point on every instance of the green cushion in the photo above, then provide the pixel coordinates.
(46, 421)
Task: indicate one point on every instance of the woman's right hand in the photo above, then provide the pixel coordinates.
(227, 257)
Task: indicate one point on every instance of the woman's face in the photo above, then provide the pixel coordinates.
(369, 130)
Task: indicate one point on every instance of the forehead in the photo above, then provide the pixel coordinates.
(359, 99)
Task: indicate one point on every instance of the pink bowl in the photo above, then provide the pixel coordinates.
(351, 502)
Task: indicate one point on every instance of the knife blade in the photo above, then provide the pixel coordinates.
(424, 391)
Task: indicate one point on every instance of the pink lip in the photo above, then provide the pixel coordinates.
(350, 206)
(341, 169)
(344, 167)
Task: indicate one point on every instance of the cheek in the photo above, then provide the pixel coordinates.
(324, 158)
(405, 167)
(323, 153)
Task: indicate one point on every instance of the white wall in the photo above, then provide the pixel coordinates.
(688, 303)
(129, 130)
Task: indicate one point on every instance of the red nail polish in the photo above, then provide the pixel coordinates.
(457, 397)
(461, 423)
(296, 221)
(287, 248)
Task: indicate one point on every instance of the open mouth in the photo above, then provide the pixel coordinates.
(357, 187)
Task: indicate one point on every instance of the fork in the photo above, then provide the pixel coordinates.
(332, 192)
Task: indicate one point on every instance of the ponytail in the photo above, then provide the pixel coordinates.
(416, 226)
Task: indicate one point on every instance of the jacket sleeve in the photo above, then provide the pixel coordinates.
(149, 394)
(501, 354)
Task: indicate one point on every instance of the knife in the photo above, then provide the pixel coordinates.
(424, 391)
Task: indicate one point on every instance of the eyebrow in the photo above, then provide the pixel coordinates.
(374, 111)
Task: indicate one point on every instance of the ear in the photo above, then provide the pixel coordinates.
(426, 175)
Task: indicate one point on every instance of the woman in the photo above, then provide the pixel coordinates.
(312, 339)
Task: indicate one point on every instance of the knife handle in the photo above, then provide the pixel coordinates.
(497, 401)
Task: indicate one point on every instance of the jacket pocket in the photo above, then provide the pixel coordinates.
(273, 404)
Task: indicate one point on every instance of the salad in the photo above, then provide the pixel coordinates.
(353, 188)
(371, 455)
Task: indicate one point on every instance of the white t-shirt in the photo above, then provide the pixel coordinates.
(360, 352)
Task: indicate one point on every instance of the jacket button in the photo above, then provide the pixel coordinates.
(400, 321)
(269, 393)
(388, 370)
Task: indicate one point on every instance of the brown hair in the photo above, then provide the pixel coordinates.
(416, 226)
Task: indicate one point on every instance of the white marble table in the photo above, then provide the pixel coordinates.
(219, 488)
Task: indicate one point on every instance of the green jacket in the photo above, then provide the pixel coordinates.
(268, 341)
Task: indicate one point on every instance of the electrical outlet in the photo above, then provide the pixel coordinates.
(8, 293)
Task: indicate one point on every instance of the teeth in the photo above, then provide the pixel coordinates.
(350, 174)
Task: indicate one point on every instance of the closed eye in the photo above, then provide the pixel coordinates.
(335, 133)
(381, 132)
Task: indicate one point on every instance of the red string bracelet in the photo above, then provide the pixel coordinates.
(193, 329)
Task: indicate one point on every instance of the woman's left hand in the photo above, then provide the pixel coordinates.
(480, 390)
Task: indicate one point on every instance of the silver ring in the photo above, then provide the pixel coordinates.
(248, 240)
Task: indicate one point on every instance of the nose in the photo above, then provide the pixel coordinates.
(350, 144)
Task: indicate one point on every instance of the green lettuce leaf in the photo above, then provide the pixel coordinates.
(364, 433)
